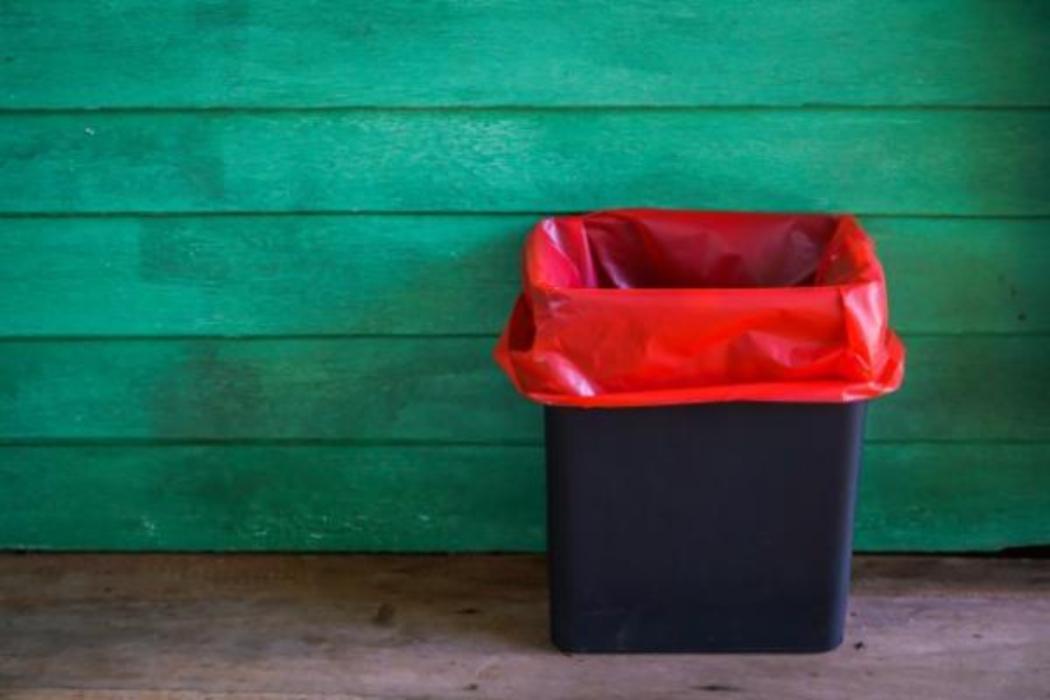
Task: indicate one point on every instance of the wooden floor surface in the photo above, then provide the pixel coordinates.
(191, 627)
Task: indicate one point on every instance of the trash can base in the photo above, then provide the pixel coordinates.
(701, 528)
(580, 640)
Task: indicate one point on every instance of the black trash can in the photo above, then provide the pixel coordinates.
(705, 378)
(709, 527)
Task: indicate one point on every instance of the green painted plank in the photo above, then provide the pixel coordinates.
(913, 497)
(425, 274)
(259, 275)
(869, 161)
(955, 276)
(431, 389)
(268, 52)
(974, 497)
(266, 498)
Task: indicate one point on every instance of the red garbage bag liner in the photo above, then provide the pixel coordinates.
(644, 307)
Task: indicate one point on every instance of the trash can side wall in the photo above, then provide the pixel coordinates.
(717, 527)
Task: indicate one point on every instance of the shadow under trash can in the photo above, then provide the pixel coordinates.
(705, 377)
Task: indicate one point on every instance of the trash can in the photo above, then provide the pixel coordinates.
(705, 378)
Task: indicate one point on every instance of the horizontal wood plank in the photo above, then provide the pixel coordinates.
(286, 627)
(218, 53)
(264, 275)
(318, 498)
(430, 389)
(980, 162)
(955, 276)
(272, 498)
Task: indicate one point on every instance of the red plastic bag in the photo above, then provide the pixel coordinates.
(641, 307)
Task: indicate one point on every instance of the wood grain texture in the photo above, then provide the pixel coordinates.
(913, 497)
(265, 275)
(259, 498)
(358, 176)
(443, 389)
(869, 161)
(284, 628)
(222, 53)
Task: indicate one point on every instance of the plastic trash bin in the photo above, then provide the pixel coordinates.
(705, 378)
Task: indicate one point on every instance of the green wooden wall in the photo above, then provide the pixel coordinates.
(255, 252)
